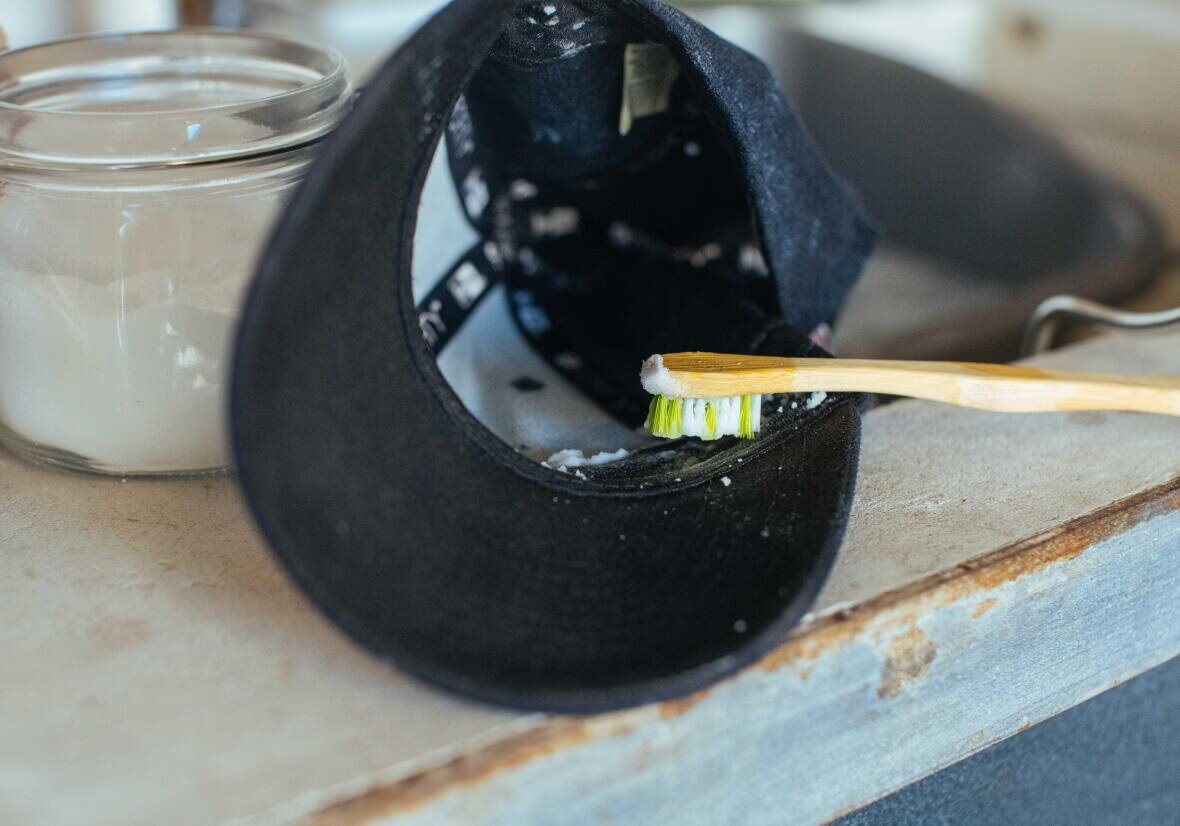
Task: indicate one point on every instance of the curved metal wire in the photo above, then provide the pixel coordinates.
(1047, 319)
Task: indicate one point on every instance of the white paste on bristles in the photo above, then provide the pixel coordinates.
(657, 379)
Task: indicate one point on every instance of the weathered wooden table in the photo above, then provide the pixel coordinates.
(157, 667)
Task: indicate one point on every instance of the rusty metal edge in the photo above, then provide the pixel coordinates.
(822, 637)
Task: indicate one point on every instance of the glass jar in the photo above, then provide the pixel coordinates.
(139, 177)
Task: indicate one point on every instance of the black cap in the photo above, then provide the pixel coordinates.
(434, 543)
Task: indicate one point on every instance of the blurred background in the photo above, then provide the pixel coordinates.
(1103, 74)
(1099, 75)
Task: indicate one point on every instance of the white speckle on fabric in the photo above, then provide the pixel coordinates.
(475, 193)
(750, 259)
(555, 222)
(534, 319)
(546, 134)
(568, 360)
(461, 129)
(522, 190)
(467, 285)
(528, 261)
(493, 254)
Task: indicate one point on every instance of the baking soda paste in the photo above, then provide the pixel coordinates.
(116, 332)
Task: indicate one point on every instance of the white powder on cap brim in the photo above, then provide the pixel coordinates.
(658, 381)
(563, 459)
(816, 399)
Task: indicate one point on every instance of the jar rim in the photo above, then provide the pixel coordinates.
(105, 100)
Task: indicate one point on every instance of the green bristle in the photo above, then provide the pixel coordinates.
(664, 417)
(711, 421)
(746, 425)
(676, 416)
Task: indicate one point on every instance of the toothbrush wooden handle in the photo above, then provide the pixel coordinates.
(997, 387)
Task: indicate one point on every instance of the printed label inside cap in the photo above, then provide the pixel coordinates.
(649, 72)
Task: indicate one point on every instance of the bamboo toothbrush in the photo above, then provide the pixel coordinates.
(710, 395)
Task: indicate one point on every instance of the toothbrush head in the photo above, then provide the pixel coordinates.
(706, 419)
(673, 415)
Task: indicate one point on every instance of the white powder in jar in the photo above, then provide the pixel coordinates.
(116, 329)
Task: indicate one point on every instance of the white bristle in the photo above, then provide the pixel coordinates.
(695, 416)
(729, 416)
